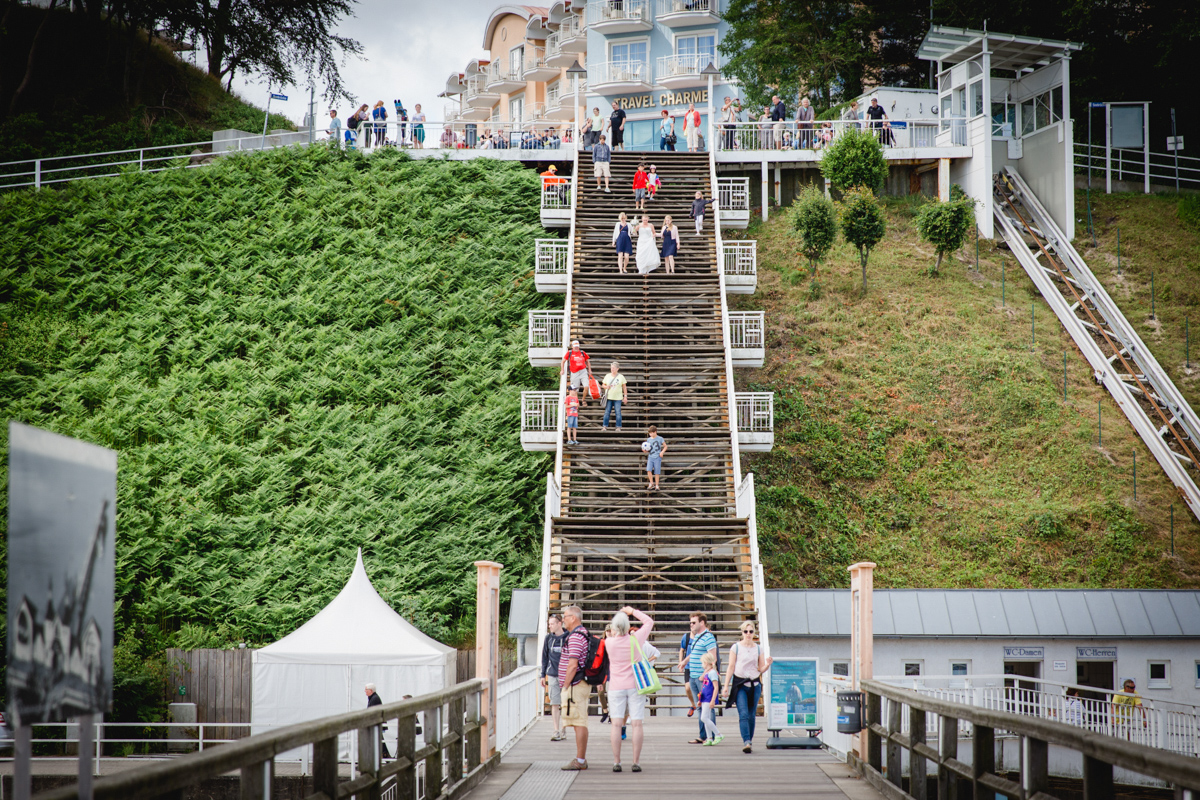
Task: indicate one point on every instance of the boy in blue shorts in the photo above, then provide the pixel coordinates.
(572, 404)
(655, 448)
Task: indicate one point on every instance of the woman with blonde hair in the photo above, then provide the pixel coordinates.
(623, 242)
(623, 698)
(670, 243)
(743, 681)
(379, 122)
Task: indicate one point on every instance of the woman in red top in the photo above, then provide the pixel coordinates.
(641, 187)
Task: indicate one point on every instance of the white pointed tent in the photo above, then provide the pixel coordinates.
(321, 668)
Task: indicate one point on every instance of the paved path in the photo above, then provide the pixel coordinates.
(671, 769)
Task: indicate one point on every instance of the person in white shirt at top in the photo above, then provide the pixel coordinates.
(743, 681)
(623, 698)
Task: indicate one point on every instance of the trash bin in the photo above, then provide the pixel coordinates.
(849, 712)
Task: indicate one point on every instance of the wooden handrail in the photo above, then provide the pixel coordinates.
(172, 776)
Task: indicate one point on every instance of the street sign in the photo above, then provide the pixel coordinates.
(1096, 105)
(278, 96)
(1174, 143)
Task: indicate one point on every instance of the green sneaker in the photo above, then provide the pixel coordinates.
(718, 740)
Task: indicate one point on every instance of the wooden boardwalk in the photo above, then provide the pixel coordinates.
(671, 768)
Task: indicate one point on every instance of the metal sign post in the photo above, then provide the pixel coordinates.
(267, 114)
(1175, 144)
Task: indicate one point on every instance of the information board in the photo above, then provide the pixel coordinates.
(792, 702)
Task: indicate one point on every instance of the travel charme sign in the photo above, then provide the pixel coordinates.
(699, 97)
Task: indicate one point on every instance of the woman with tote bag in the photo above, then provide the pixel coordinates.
(625, 699)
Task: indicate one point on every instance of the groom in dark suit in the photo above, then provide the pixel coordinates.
(373, 699)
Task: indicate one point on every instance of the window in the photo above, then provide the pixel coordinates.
(1041, 111)
(516, 60)
(629, 52)
(960, 667)
(516, 108)
(1004, 117)
(976, 98)
(1198, 674)
(912, 668)
(1160, 675)
(841, 668)
(700, 49)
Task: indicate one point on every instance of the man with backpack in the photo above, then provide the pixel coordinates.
(577, 653)
(702, 641)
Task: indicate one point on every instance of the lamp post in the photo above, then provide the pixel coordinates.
(710, 71)
(574, 71)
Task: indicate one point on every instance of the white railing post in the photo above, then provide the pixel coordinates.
(141, 159)
(37, 173)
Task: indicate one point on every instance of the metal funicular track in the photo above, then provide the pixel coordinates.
(682, 549)
(1120, 359)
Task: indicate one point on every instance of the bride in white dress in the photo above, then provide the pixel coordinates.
(647, 247)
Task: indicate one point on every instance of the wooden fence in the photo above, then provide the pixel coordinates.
(218, 682)
(466, 664)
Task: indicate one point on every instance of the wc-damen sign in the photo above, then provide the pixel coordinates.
(700, 96)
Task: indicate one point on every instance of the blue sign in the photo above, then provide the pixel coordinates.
(1096, 105)
(793, 699)
(278, 96)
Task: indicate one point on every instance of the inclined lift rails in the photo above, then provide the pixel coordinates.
(1120, 360)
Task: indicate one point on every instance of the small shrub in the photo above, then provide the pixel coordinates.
(816, 221)
(863, 223)
(855, 158)
(1189, 210)
(945, 226)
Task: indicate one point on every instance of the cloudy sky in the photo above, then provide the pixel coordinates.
(409, 48)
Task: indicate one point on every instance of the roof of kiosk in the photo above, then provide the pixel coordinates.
(1008, 51)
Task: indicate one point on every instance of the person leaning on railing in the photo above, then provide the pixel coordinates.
(1122, 709)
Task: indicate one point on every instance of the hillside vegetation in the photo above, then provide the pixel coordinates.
(916, 428)
(295, 354)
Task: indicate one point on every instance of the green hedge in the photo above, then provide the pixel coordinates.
(295, 354)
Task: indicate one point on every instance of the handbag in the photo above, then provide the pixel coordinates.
(672, 138)
(593, 388)
(644, 673)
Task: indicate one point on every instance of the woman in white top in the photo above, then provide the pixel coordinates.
(743, 681)
(647, 248)
(691, 128)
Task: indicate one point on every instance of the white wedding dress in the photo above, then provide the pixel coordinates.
(647, 250)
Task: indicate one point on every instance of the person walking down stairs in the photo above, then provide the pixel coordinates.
(670, 243)
(622, 242)
(647, 248)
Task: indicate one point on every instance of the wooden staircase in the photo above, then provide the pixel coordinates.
(682, 549)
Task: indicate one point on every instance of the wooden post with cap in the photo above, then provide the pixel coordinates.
(862, 583)
(487, 648)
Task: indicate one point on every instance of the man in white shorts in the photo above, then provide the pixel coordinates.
(580, 367)
(602, 163)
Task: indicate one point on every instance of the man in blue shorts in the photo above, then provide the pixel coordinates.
(655, 448)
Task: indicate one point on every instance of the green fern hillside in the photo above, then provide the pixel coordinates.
(295, 354)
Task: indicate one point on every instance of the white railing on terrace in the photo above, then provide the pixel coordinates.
(553, 46)
(740, 257)
(556, 195)
(619, 72)
(539, 411)
(518, 705)
(533, 112)
(534, 59)
(1130, 165)
(571, 27)
(1156, 723)
(615, 10)
(756, 412)
(679, 65)
(546, 328)
(552, 256)
(733, 194)
(745, 329)
(668, 7)
(477, 87)
(763, 135)
(553, 95)
(509, 73)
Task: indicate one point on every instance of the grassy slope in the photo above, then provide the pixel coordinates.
(915, 427)
(295, 355)
(76, 102)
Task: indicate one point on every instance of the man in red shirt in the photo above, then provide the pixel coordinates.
(580, 368)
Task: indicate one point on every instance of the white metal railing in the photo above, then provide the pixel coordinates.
(451, 112)
(534, 59)
(508, 73)
(788, 135)
(570, 28)
(618, 10)
(546, 328)
(756, 412)
(1155, 723)
(619, 72)
(553, 46)
(532, 112)
(553, 94)
(740, 257)
(551, 257)
(539, 411)
(668, 7)
(477, 87)
(733, 194)
(745, 329)
(556, 195)
(677, 66)
(1129, 165)
(517, 704)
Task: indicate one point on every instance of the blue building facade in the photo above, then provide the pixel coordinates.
(648, 56)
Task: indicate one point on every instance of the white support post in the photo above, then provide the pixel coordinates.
(1069, 146)
(37, 173)
(1146, 145)
(764, 190)
(1108, 148)
(778, 186)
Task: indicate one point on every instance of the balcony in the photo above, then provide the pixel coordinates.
(560, 99)
(539, 420)
(740, 262)
(683, 13)
(532, 113)
(620, 77)
(556, 204)
(477, 114)
(546, 338)
(682, 71)
(536, 68)
(755, 421)
(572, 35)
(745, 338)
(619, 16)
(555, 55)
(503, 78)
(733, 200)
(550, 265)
(452, 112)
(478, 94)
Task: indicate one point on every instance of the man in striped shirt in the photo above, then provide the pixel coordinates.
(575, 690)
(703, 642)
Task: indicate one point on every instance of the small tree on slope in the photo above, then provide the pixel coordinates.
(946, 225)
(863, 223)
(816, 221)
(854, 158)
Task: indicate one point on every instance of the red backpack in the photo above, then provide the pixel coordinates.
(595, 670)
